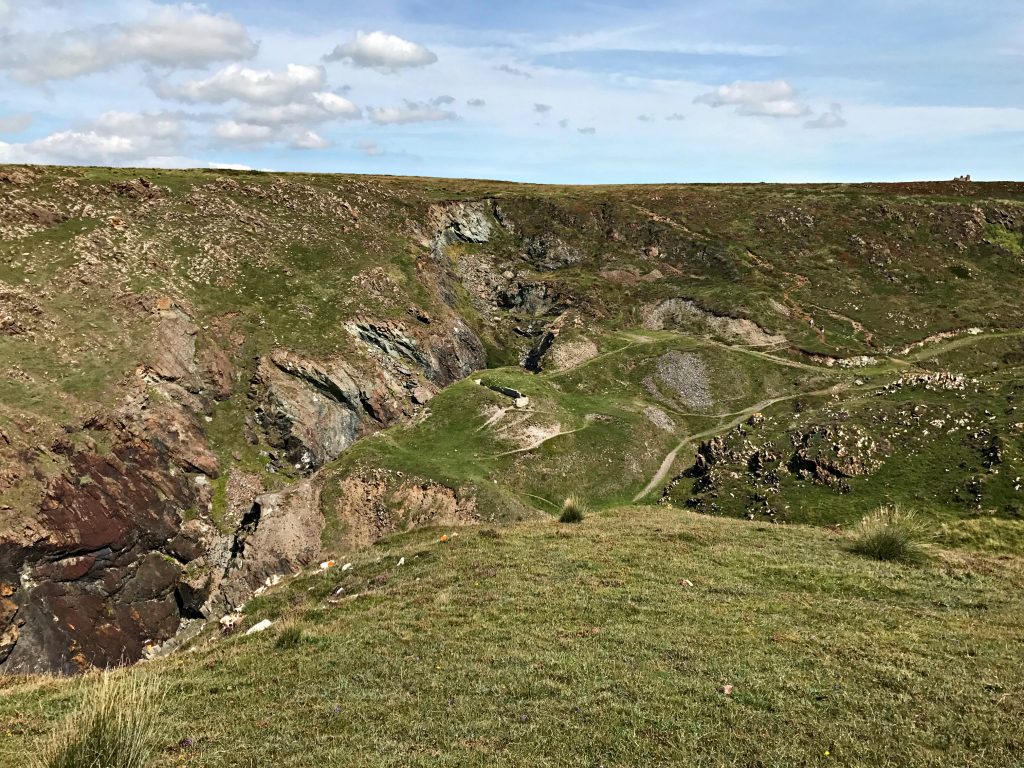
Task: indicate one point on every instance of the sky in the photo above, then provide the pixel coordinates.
(575, 91)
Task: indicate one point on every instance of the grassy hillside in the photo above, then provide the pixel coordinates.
(605, 643)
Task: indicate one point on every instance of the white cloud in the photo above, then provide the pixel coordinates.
(676, 117)
(253, 86)
(276, 106)
(542, 109)
(320, 108)
(15, 123)
(776, 98)
(413, 112)
(828, 120)
(310, 140)
(243, 133)
(383, 52)
(6, 10)
(589, 131)
(170, 36)
(645, 118)
(115, 138)
(229, 166)
(336, 105)
(476, 103)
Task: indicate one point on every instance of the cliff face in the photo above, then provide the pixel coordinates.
(183, 355)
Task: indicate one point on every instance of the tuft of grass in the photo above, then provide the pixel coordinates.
(893, 534)
(114, 727)
(290, 637)
(573, 510)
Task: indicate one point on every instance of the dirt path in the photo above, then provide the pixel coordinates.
(890, 365)
(537, 444)
(746, 413)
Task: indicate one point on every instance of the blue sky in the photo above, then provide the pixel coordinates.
(574, 91)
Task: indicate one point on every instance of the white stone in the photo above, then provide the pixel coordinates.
(265, 624)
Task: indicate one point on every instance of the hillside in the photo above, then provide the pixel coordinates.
(607, 643)
(215, 379)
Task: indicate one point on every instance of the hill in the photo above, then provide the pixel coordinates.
(213, 380)
(643, 636)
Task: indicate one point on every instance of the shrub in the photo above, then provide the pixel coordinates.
(893, 534)
(114, 727)
(573, 510)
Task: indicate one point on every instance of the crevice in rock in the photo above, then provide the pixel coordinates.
(250, 522)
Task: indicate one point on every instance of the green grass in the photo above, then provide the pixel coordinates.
(602, 644)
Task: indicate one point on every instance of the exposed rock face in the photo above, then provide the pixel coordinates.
(280, 535)
(443, 358)
(90, 583)
(546, 253)
(685, 313)
(391, 341)
(373, 504)
(174, 357)
(313, 410)
(536, 299)
(310, 411)
(455, 354)
(467, 222)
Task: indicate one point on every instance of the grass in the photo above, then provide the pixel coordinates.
(290, 637)
(115, 726)
(604, 644)
(892, 534)
(574, 509)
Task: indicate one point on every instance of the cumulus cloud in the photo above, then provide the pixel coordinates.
(310, 140)
(15, 123)
(508, 69)
(675, 117)
(542, 109)
(776, 98)
(274, 106)
(589, 131)
(382, 52)
(476, 103)
(170, 36)
(253, 86)
(413, 112)
(335, 105)
(115, 138)
(645, 118)
(243, 133)
(828, 120)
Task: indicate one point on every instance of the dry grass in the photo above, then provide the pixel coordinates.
(115, 726)
(574, 509)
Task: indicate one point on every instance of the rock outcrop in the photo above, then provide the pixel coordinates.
(374, 503)
(685, 313)
(90, 582)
